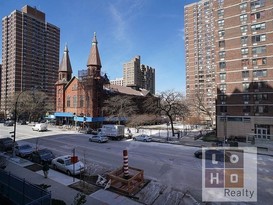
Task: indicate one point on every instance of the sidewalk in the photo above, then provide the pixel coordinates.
(59, 185)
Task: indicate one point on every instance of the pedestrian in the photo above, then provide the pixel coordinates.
(45, 169)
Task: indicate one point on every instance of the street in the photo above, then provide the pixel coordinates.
(172, 165)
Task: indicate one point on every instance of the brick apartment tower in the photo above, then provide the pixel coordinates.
(82, 95)
(200, 58)
(243, 38)
(30, 54)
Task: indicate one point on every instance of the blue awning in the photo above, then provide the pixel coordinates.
(63, 114)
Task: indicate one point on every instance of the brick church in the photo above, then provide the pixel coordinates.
(80, 96)
(80, 99)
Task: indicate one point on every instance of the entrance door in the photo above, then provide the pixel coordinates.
(262, 133)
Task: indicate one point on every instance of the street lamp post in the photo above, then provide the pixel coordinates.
(15, 121)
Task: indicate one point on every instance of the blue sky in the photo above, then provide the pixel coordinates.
(153, 29)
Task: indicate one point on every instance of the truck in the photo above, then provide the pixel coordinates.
(114, 132)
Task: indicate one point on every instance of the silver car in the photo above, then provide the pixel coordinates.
(143, 138)
(98, 138)
(67, 164)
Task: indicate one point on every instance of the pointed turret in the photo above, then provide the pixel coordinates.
(94, 56)
(65, 69)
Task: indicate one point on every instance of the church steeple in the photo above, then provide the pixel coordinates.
(65, 69)
(94, 56)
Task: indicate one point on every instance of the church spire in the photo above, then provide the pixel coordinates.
(65, 69)
(94, 57)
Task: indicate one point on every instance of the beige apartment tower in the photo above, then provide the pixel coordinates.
(243, 42)
(30, 54)
(137, 75)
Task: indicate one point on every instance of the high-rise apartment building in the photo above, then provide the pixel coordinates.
(243, 47)
(30, 54)
(117, 81)
(200, 59)
(137, 75)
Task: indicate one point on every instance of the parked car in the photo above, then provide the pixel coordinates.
(9, 123)
(23, 122)
(221, 155)
(98, 138)
(40, 127)
(3, 162)
(23, 150)
(143, 138)
(67, 165)
(41, 156)
(6, 144)
(88, 131)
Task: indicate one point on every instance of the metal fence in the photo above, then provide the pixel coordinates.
(21, 192)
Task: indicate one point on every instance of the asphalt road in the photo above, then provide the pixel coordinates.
(171, 165)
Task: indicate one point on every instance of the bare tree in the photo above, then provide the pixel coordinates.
(200, 105)
(31, 104)
(173, 104)
(119, 106)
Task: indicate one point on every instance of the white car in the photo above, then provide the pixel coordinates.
(40, 127)
(66, 164)
(98, 138)
(143, 138)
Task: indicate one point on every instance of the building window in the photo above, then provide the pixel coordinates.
(246, 97)
(258, 15)
(222, 54)
(223, 87)
(245, 86)
(258, 50)
(258, 38)
(222, 76)
(261, 109)
(245, 62)
(223, 108)
(246, 109)
(258, 85)
(259, 61)
(220, 12)
(68, 101)
(244, 29)
(245, 74)
(244, 51)
(221, 33)
(259, 73)
(243, 6)
(75, 101)
(81, 101)
(243, 17)
(222, 65)
(260, 97)
(221, 23)
(257, 27)
(221, 44)
(223, 98)
(257, 4)
(244, 40)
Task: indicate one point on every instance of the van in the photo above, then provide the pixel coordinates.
(40, 127)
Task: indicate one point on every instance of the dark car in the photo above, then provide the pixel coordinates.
(41, 156)
(6, 144)
(221, 155)
(9, 123)
(23, 150)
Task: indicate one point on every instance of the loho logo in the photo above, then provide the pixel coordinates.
(226, 175)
